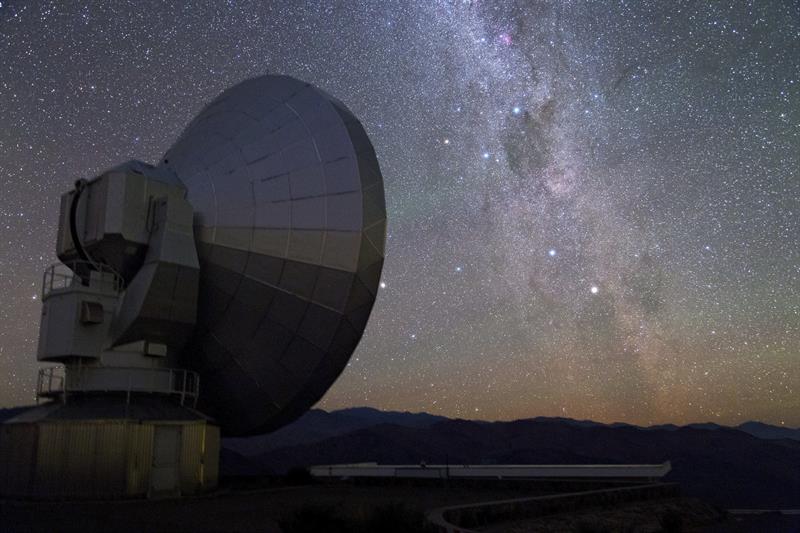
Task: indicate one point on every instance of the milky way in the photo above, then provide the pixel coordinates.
(593, 207)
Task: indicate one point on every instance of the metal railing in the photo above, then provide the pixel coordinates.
(49, 382)
(54, 382)
(62, 276)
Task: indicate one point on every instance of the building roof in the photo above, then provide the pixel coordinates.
(108, 407)
(375, 470)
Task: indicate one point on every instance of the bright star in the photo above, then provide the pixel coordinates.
(551, 253)
(486, 155)
(383, 284)
(594, 289)
(516, 110)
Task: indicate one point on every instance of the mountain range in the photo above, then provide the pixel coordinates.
(753, 465)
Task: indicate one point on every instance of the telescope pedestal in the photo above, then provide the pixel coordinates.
(103, 447)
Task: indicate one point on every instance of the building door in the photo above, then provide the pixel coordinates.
(164, 478)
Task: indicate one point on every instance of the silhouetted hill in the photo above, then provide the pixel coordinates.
(722, 465)
(765, 431)
(234, 464)
(401, 418)
(316, 425)
(756, 429)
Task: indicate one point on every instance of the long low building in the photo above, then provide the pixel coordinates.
(424, 471)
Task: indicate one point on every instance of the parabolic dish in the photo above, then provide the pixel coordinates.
(290, 226)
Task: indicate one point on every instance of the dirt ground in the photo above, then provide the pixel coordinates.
(229, 510)
(674, 514)
(262, 509)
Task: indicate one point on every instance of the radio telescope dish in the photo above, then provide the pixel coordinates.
(290, 224)
(220, 292)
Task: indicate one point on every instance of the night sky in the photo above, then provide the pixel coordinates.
(594, 208)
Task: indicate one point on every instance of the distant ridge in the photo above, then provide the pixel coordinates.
(757, 429)
(766, 431)
(752, 466)
(317, 424)
(327, 423)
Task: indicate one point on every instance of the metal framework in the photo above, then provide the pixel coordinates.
(177, 382)
(62, 276)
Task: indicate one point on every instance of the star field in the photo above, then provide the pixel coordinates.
(594, 207)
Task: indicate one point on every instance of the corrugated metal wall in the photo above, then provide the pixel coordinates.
(17, 458)
(50, 463)
(139, 459)
(211, 449)
(109, 462)
(191, 461)
(99, 458)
